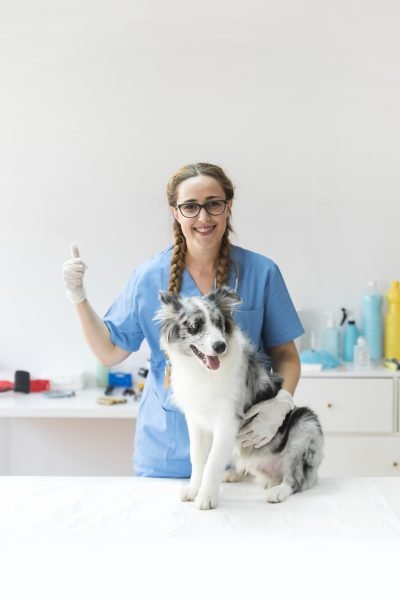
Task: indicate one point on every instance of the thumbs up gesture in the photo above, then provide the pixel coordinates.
(74, 271)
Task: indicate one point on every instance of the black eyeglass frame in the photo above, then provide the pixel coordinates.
(200, 206)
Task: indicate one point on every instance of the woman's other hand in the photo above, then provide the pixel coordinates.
(74, 271)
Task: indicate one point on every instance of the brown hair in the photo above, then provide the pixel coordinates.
(179, 249)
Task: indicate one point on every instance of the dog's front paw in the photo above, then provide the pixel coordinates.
(279, 493)
(205, 501)
(189, 492)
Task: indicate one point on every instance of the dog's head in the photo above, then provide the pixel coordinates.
(198, 327)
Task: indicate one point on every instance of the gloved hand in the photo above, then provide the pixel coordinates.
(268, 417)
(73, 271)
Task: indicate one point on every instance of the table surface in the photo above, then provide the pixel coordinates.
(71, 537)
(362, 508)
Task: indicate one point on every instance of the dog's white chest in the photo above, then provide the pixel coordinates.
(208, 398)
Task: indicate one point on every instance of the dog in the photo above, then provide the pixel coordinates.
(216, 376)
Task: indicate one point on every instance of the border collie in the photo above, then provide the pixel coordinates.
(216, 375)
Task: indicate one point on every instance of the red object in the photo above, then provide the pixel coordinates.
(5, 386)
(39, 385)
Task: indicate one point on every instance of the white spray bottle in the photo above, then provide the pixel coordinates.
(330, 337)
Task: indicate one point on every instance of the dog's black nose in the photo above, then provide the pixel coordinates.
(219, 347)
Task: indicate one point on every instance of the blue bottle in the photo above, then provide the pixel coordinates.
(372, 320)
(351, 335)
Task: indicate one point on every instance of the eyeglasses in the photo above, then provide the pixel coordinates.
(192, 209)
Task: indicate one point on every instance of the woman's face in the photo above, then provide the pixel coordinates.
(205, 231)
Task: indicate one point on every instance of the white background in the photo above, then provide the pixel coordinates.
(100, 102)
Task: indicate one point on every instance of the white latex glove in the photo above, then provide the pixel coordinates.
(268, 417)
(73, 271)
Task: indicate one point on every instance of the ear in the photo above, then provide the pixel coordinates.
(175, 213)
(225, 298)
(167, 317)
(170, 300)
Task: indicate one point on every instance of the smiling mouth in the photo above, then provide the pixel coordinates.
(211, 362)
(204, 230)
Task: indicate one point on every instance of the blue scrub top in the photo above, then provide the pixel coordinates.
(266, 314)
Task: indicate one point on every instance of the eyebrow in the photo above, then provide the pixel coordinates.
(208, 198)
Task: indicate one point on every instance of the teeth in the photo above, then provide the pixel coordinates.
(204, 229)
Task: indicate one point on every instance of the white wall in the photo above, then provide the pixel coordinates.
(101, 101)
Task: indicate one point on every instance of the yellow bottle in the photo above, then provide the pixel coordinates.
(392, 322)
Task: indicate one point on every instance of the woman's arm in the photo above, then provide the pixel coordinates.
(268, 416)
(286, 362)
(95, 330)
(97, 336)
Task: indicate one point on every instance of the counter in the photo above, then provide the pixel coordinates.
(83, 406)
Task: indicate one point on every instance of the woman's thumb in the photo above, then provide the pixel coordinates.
(74, 250)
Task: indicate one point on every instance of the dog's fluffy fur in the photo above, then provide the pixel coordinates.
(216, 376)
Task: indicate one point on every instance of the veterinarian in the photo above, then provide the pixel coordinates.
(201, 257)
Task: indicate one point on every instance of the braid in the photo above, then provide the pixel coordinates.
(224, 260)
(177, 260)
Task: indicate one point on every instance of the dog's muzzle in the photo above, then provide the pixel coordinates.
(211, 362)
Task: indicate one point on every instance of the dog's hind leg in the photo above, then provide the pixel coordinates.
(300, 471)
(280, 492)
(233, 475)
(236, 470)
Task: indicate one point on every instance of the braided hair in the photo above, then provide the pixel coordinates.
(179, 246)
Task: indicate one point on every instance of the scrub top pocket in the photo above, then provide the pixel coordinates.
(164, 395)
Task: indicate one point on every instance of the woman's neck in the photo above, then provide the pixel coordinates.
(204, 262)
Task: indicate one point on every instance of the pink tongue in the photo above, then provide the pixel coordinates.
(212, 362)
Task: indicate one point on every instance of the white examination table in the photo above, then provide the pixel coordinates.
(119, 531)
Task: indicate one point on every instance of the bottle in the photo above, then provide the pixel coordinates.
(330, 337)
(392, 322)
(351, 335)
(372, 320)
(102, 375)
(361, 354)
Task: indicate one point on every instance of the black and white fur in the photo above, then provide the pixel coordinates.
(216, 375)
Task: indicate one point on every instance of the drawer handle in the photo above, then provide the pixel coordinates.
(329, 405)
(395, 464)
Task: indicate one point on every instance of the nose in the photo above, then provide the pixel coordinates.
(219, 347)
(203, 214)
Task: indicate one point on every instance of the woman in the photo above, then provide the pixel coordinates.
(200, 197)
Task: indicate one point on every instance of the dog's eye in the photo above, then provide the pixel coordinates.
(194, 328)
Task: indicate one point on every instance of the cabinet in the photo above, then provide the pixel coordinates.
(359, 414)
(69, 436)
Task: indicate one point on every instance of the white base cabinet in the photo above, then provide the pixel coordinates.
(66, 436)
(352, 455)
(359, 414)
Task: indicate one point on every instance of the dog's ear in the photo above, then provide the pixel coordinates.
(225, 298)
(167, 317)
(170, 300)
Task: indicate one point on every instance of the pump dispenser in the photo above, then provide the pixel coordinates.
(330, 337)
